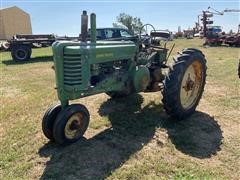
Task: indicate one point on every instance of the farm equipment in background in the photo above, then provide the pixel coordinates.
(214, 39)
(213, 33)
(4, 46)
(21, 44)
(178, 35)
(220, 39)
(118, 68)
(188, 34)
(161, 35)
(233, 40)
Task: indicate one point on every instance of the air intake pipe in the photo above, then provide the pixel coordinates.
(93, 27)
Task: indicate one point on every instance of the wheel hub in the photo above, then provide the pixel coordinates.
(190, 86)
(21, 54)
(74, 126)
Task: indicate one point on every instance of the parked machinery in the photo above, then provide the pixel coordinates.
(233, 40)
(118, 68)
(21, 44)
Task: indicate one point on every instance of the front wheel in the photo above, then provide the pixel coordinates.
(48, 121)
(71, 124)
(184, 85)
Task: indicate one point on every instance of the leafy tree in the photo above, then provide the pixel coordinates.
(133, 24)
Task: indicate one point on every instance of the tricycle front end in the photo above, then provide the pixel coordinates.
(118, 68)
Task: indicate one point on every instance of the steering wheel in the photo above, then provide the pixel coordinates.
(141, 32)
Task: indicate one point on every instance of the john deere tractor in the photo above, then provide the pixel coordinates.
(118, 68)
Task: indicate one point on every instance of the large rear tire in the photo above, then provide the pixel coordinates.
(184, 85)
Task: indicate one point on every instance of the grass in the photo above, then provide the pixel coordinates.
(126, 139)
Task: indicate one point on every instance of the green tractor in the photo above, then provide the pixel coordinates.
(118, 68)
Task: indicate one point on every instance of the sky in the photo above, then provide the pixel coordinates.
(62, 17)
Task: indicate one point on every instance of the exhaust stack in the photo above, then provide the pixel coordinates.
(84, 26)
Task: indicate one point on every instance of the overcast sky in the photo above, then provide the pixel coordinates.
(62, 17)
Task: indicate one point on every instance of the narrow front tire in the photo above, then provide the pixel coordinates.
(48, 121)
(71, 124)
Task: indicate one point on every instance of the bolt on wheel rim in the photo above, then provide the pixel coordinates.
(191, 85)
(74, 126)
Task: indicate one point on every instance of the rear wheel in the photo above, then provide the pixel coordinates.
(191, 51)
(71, 124)
(184, 85)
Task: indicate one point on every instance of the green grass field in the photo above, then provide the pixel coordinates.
(128, 138)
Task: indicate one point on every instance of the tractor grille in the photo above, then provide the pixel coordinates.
(72, 66)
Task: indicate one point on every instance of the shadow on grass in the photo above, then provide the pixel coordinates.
(31, 60)
(133, 127)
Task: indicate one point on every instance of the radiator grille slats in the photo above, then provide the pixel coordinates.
(72, 66)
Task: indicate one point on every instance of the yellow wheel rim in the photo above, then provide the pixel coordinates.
(74, 126)
(191, 85)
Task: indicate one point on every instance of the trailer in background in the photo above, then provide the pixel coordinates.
(21, 45)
